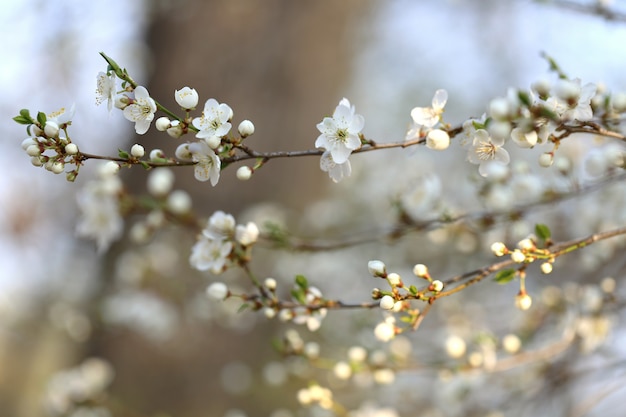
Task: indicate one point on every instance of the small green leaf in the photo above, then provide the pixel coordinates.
(299, 295)
(23, 120)
(145, 165)
(504, 276)
(542, 231)
(413, 289)
(243, 307)
(41, 118)
(123, 154)
(524, 97)
(302, 282)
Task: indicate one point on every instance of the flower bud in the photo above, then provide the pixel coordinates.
(217, 291)
(51, 129)
(160, 181)
(518, 256)
(394, 279)
(175, 130)
(246, 128)
(137, 150)
(156, 154)
(71, 149)
(498, 248)
(33, 150)
(162, 124)
(387, 302)
(179, 202)
(182, 152)
(546, 159)
(546, 267)
(420, 270)
(438, 140)
(270, 284)
(437, 285)
(214, 142)
(57, 167)
(376, 268)
(244, 173)
(523, 301)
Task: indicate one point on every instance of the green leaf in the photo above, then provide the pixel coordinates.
(504, 276)
(413, 289)
(145, 164)
(23, 120)
(542, 231)
(524, 98)
(41, 118)
(299, 295)
(123, 154)
(302, 282)
(243, 307)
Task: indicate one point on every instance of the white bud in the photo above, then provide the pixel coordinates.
(108, 169)
(71, 149)
(438, 140)
(27, 142)
(518, 256)
(541, 86)
(437, 285)
(455, 346)
(546, 267)
(33, 150)
(179, 202)
(244, 173)
(36, 161)
(186, 97)
(342, 370)
(162, 124)
(247, 235)
(156, 154)
(420, 270)
(499, 129)
(385, 331)
(499, 108)
(511, 343)
(175, 130)
(182, 152)
(567, 90)
(394, 279)
(160, 181)
(217, 291)
(269, 312)
(523, 301)
(57, 167)
(51, 129)
(270, 284)
(137, 150)
(214, 142)
(357, 354)
(546, 159)
(376, 268)
(526, 244)
(387, 302)
(246, 128)
(498, 248)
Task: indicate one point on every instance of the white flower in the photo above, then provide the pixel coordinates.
(214, 120)
(336, 171)
(209, 254)
(105, 89)
(221, 226)
(186, 97)
(573, 101)
(141, 110)
(485, 149)
(61, 117)
(430, 116)
(208, 164)
(100, 217)
(340, 133)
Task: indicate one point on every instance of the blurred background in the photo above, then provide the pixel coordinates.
(166, 349)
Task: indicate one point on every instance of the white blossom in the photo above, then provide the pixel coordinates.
(187, 98)
(141, 110)
(214, 120)
(106, 89)
(336, 171)
(429, 116)
(210, 255)
(340, 133)
(486, 149)
(208, 164)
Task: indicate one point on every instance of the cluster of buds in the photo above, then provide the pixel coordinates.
(50, 146)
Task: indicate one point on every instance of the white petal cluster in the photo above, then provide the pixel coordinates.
(141, 110)
(339, 137)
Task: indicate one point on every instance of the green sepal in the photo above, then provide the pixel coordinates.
(41, 118)
(145, 165)
(505, 276)
(542, 231)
